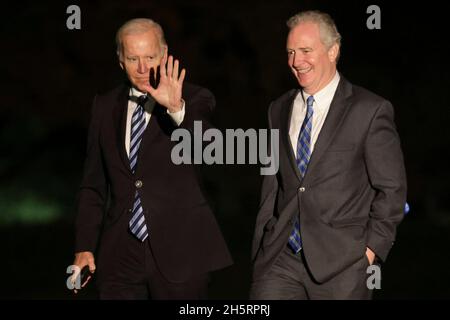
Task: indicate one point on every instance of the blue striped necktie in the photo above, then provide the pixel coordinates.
(303, 155)
(137, 223)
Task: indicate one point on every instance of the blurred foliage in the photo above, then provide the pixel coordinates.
(26, 208)
(38, 177)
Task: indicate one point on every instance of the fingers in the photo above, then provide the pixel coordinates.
(175, 69)
(149, 89)
(182, 75)
(163, 64)
(170, 67)
(92, 266)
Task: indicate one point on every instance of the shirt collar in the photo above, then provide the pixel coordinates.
(323, 97)
(136, 93)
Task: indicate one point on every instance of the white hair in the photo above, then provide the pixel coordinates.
(139, 25)
(329, 35)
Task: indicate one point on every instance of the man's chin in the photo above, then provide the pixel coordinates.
(304, 81)
(140, 87)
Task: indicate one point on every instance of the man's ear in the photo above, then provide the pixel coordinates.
(120, 57)
(333, 52)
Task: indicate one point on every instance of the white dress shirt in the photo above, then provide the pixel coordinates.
(177, 117)
(321, 105)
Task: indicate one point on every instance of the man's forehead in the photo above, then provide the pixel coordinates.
(304, 34)
(149, 35)
(305, 29)
(141, 41)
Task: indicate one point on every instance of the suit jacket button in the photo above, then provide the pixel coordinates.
(301, 189)
(138, 184)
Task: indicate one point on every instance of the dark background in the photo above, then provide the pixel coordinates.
(50, 74)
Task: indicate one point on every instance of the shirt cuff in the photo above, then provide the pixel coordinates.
(178, 116)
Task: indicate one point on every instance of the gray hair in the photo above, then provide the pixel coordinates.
(329, 34)
(139, 25)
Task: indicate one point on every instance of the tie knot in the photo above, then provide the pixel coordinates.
(310, 101)
(142, 100)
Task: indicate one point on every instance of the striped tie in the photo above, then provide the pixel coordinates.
(137, 223)
(303, 155)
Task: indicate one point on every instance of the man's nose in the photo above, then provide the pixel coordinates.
(143, 67)
(296, 59)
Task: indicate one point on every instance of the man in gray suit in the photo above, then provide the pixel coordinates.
(334, 205)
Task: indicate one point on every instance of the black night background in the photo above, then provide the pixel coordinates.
(49, 76)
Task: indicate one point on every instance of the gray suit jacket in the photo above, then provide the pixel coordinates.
(352, 194)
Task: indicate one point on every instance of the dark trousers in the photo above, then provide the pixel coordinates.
(289, 279)
(134, 275)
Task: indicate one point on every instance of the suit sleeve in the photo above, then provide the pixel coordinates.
(269, 190)
(93, 190)
(384, 161)
(199, 107)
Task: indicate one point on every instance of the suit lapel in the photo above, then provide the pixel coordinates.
(160, 124)
(285, 125)
(120, 122)
(336, 113)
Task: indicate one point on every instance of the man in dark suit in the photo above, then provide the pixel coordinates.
(146, 218)
(334, 205)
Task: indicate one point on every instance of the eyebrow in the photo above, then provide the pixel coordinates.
(300, 48)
